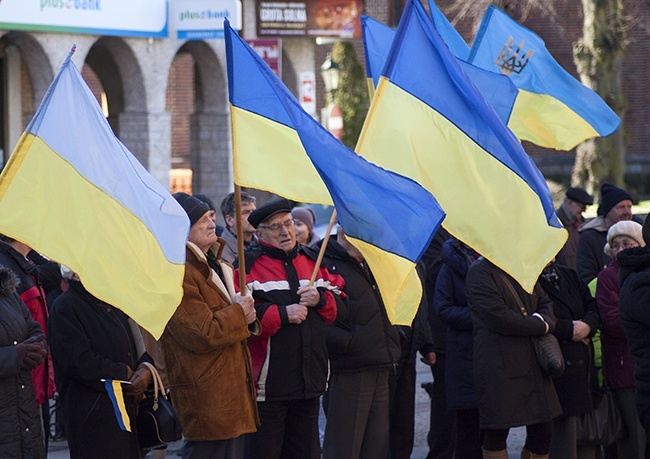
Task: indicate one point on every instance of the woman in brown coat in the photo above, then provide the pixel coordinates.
(204, 346)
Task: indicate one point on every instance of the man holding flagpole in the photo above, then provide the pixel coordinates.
(204, 346)
(290, 360)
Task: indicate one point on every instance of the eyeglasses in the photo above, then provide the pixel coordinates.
(276, 227)
(616, 246)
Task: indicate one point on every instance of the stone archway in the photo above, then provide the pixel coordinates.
(116, 67)
(205, 122)
(26, 74)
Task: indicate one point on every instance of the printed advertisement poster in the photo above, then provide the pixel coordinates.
(307, 94)
(270, 50)
(335, 18)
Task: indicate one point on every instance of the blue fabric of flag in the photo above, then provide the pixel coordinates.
(541, 74)
(457, 99)
(449, 34)
(497, 89)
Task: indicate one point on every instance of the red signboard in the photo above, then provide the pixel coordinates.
(270, 50)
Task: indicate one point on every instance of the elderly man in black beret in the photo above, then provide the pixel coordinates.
(615, 206)
(570, 214)
(290, 359)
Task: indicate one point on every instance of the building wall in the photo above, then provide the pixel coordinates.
(151, 79)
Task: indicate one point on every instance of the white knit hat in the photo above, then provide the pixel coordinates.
(624, 228)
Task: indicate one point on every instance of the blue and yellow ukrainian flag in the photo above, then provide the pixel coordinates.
(449, 34)
(114, 389)
(553, 109)
(74, 193)
(497, 89)
(447, 138)
(276, 145)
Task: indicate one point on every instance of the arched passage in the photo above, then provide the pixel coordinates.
(114, 74)
(197, 101)
(25, 74)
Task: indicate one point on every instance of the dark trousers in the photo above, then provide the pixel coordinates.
(643, 412)
(442, 427)
(289, 429)
(357, 415)
(232, 448)
(402, 410)
(469, 437)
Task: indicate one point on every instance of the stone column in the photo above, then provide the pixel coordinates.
(134, 134)
(158, 146)
(211, 158)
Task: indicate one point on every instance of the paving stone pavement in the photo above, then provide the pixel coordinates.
(59, 450)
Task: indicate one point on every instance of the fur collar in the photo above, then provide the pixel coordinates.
(8, 281)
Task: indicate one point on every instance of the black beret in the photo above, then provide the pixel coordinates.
(195, 208)
(205, 199)
(580, 196)
(268, 210)
(610, 195)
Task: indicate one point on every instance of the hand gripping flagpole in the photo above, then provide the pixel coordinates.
(323, 246)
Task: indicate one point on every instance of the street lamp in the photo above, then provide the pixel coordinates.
(329, 71)
(331, 115)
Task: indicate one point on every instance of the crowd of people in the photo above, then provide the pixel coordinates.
(248, 364)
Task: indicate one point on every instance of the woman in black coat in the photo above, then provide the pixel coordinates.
(22, 348)
(577, 322)
(511, 388)
(91, 341)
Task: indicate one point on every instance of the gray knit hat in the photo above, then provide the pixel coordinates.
(627, 228)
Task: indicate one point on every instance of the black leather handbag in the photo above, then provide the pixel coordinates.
(604, 425)
(547, 348)
(156, 422)
(549, 355)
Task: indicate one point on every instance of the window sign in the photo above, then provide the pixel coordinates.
(202, 19)
(127, 18)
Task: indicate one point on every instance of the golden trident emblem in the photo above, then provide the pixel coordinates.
(509, 60)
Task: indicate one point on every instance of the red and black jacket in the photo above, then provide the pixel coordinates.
(33, 295)
(290, 361)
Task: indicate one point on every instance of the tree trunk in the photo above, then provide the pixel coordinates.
(598, 56)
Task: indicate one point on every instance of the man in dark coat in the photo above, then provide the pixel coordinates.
(511, 388)
(413, 340)
(634, 310)
(451, 307)
(442, 421)
(570, 214)
(615, 206)
(364, 348)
